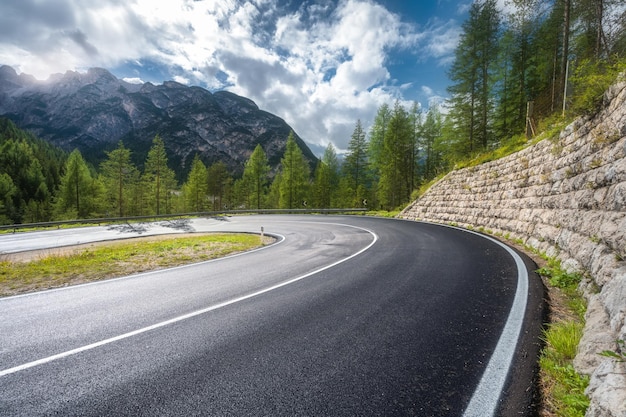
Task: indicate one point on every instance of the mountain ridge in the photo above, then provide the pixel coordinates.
(94, 111)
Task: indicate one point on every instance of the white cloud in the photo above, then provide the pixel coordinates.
(181, 80)
(440, 39)
(320, 67)
(134, 80)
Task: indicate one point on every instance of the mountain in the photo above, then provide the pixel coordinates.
(93, 111)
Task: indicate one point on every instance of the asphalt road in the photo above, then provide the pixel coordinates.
(344, 316)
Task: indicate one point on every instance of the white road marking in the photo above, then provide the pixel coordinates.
(189, 315)
(486, 396)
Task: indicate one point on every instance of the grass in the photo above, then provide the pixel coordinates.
(383, 213)
(563, 388)
(508, 147)
(568, 283)
(619, 355)
(108, 260)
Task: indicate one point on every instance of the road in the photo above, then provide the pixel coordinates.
(343, 316)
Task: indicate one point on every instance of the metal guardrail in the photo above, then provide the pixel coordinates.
(107, 220)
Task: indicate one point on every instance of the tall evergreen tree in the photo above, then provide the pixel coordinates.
(562, 76)
(295, 176)
(356, 166)
(256, 177)
(321, 186)
(273, 196)
(326, 179)
(78, 194)
(395, 182)
(489, 27)
(219, 185)
(195, 190)
(119, 176)
(464, 90)
(415, 118)
(158, 177)
(334, 166)
(378, 131)
(430, 135)
(591, 41)
(506, 116)
(472, 75)
(524, 23)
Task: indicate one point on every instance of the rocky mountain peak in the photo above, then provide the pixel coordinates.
(7, 72)
(93, 111)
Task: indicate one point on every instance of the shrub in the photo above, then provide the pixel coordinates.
(590, 80)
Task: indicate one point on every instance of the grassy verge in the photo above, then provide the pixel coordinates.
(563, 388)
(112, 259)
(382, 213)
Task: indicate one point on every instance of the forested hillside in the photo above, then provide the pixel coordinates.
(513, 76)
(30, 170)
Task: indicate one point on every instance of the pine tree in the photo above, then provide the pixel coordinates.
(119, 176)
(524, 24)
(430, 135)
(78, 195)
(505, 117)
(256, 177)
(326, 179)
(195, 190)
(471, 74)
(273, 196)
(488, 24)
(158, 177)
(321, 186)
(395, 169)
(415, 118)
(219, 184)
(332, 162)
(356, 167)
(378, 132)
(295, 176)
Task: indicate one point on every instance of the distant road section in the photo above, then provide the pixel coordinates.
(343, 316)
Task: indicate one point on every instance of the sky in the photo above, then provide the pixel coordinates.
(320, 65)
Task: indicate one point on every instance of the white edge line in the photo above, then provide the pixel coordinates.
(185, 316)
(484, 401)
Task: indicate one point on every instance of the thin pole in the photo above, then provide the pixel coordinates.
(565, 86)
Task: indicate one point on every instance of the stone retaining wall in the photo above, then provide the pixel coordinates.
(565, 197)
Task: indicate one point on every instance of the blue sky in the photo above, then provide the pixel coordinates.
(320, 65)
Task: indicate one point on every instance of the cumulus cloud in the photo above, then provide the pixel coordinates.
(320, 66)
(133, 80)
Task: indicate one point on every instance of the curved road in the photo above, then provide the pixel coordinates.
(344, 316)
